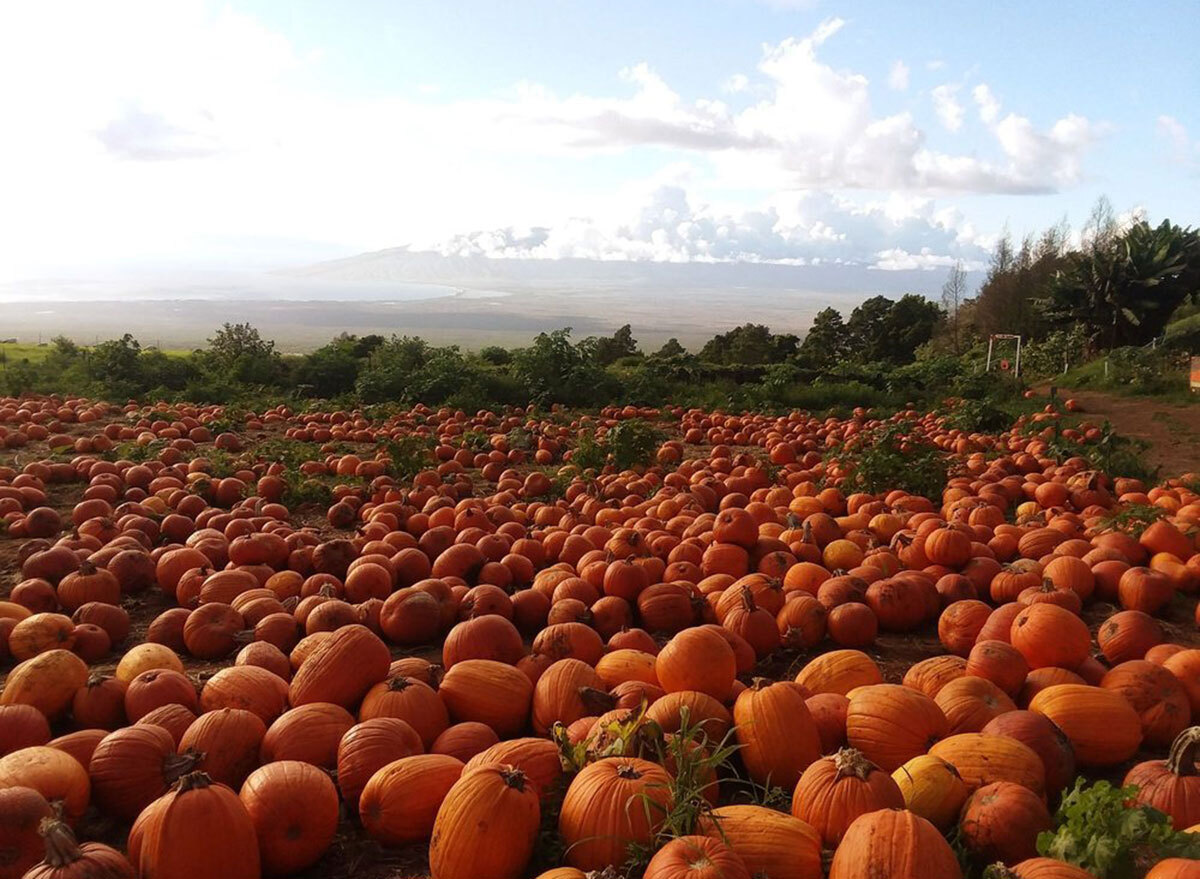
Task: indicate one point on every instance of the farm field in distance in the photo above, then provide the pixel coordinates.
(383, 625)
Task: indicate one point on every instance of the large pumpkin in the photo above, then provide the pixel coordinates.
(400, 801)
(539, 759)
(612, 805)
(894, 843)
(1172, 786)
(770, 843)
(48, 682)
(697, 659)
(246, 687)
(133, 767)
(67, 859)
(1156, 695)
(22, 809)
(982, 759)
(932, 788)
(568, 690)
(1103, 727)
(696, 857)
(486, 826)
(835, 790)
(310, 733)
(341, 669)
(1042, 737)
(54, 774)
(294, 809)
(410, 700)
(1001, 822)
(369, 746)
(1047, 634)
(229, 740)
(839, 671)
(488, 692)
(971, 702)
(891, 724)
(200, 830)
(776, 732)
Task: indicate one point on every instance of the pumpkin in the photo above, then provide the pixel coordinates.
(569, 640)
(1102, 726)
(696, 857)
(156, 688)
(1172, 785)
(539, 759)
(1127, 635)
(400, 801)
(1042, 737)
(410, 700)
(701, 712)
(174, 718)
(1156, 695)
(486, 637)
(22, 810)
(776, 733)
(54, 774)
(960, 624)
(88, 583)
(80, 744)
(1043, 868)
(369, 746)
(341, 669)
(929, 675)
(67, 859)
(971, 702)
(891, 724)
(932, 788)
(982, 759)
(1185, 665)
(1001, 822)
(144, 657)
(488, 692)
(199, 829)
(611, 805)
(1144, 589)
(134, 766)
(697, 659)
(486, 826)
(47, 682)
(828, 712)
(568, 690)
(770, 843)
(309, 733)
(1175, 868)
(895, 843)
(246, 687)
(211, 631)
(839, 671)
(835, 790)
(22, 726)
(99, 704)
(464, 740)
(39, 633)
(229, 740)
(294, 809)
(1046, 634)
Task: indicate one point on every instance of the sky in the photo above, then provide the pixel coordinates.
(233, 135)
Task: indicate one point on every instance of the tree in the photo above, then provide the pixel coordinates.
(613, 348)
(1124, 287)
(827, 340)
(555, 371)
(670, 348)
(749, 344)
(954, 292)
(866, 330)
(235, 341)
(910, 323)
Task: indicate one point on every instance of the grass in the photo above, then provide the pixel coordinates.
(15, 352)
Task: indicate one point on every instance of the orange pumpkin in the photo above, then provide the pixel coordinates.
(293, 807)
(770, 843)
(891, 724)
(400, 801)
(836, 790)
(894, 843)
(611, 805)
(1103, 727)
(486, 826)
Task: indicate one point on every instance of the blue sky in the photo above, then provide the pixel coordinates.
(873, 133)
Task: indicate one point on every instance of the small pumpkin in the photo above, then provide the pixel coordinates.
(836, 790)
(1001, 822)
(932, 788)
(1172, 785)
(67, 859)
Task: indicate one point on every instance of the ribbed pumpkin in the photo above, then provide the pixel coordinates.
(1103, 727)
(341, 669)
(839, 671)
(486, 826)
(464, 740)
(624, 665)
(828, 712)
(697, 659)
(401, 800)
(369, 746)
(488, 692)
(67, 859)
(199, 830)
(982, 759)
(1127, 635)
(22, 726)
(971, 702)
(54, 774)
(702, 712)
(612, 804)
(568, 690)
(770, 843)
(960, 624)
(891, 724)
(99, 704)
(410, 700)
(229, 739)
(1042, 737)
(837, 789)
(247, 687)
(1001, 822)
(696, 857)
(1042, 868)
(1046, 634)
(932, 788)
(1156, 695)
(293, 807)
(48, 682)
(1175, 868)
(894, 843)
(929, 675)
(156, 688)
(539, 759)
(1172, 786)
(776, 732)
(310, 733)
(134, 766)
(22, 809)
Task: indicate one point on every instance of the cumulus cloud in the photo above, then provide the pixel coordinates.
(989, 106)
(947, 107)
(898, 76)
(1184, 150)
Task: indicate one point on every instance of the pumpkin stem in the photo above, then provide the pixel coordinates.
(398, 684)
(96, 679)
(760, 683)
(1182, 758)
(851, 761)
(597, 701)
(512, 777)
(628, 771)
(748, 600)
(62, 849)
(999, 871)
(193, 781)
(87, 567)
(178, 764)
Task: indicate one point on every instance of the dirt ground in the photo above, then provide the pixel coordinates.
(1172, 429)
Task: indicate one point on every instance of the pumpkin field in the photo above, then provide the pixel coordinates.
(564, 644)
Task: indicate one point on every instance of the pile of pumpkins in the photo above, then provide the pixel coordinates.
(509, 676)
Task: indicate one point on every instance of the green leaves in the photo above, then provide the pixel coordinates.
(1101, 830)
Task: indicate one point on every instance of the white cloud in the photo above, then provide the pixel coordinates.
(739, 82)
(947, 107)
(898, 76)
(989, 106)
(1184, 150)
(935, 64)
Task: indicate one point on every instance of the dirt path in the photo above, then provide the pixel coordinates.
(1172, 429)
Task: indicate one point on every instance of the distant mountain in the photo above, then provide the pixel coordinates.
(402, 265)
